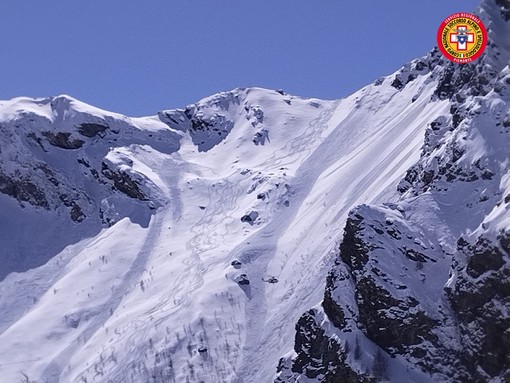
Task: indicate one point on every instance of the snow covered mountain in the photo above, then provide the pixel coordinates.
(420, 291)
(194, 246)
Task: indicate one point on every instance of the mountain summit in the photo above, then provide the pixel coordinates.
(256, 236)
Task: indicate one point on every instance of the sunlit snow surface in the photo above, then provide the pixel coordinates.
(252, 175)
(161, 303)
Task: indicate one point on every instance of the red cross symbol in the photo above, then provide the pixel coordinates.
(462, 30)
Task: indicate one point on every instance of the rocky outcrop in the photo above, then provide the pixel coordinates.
(504, 8)
(250, 217)
(211, 120)
(380, 290)
(23, 190)
(480, 298)
(67, 157)
(92, 130)
(123, 182)
(208, 122)
(63, 140)
(76, 212)
(318, 356)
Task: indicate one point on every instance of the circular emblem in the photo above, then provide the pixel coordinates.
(462, 38)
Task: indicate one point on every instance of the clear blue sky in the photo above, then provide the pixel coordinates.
(138, 57)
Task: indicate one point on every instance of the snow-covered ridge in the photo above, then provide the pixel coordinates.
(419, 291)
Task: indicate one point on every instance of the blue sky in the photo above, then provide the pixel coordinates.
(138, 57)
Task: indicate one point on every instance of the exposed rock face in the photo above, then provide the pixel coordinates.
(504, 8)
(480, 299)
(76, 212)
(209, 122)
(427, 282)
(250, 217)
(23, 190)
(35, 171)
(63, 140)
(332, 309)
(318, 356)
(123, 182)
(92, 130)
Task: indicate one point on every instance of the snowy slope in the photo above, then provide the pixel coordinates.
(420, 289)
(122, 301)
(184, 247)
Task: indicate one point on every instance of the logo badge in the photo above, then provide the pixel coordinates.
(462, 38)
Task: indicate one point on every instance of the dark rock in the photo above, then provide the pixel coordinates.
(445, 89)
(106, 221)
(504, 8)
(394, 233)
(477, 305)
(49, 174)
(461, 243)
(23, 190)
(411, 78)
(352, 249)
(457, 118)
(83, 162)
(63, 140)
(260, 137)
(388, 321)
(207, 132)
(243, 280)
(329, 304)
(427, 177)
(250, 217)
(414, 255)
(397, 83)
(123, 183)
(487, 175)
(319, 355)
(92, 130)
(76, 213)
(484, 258)
(408, 180)
(504, 241)
(420, 65)
(437, 124)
